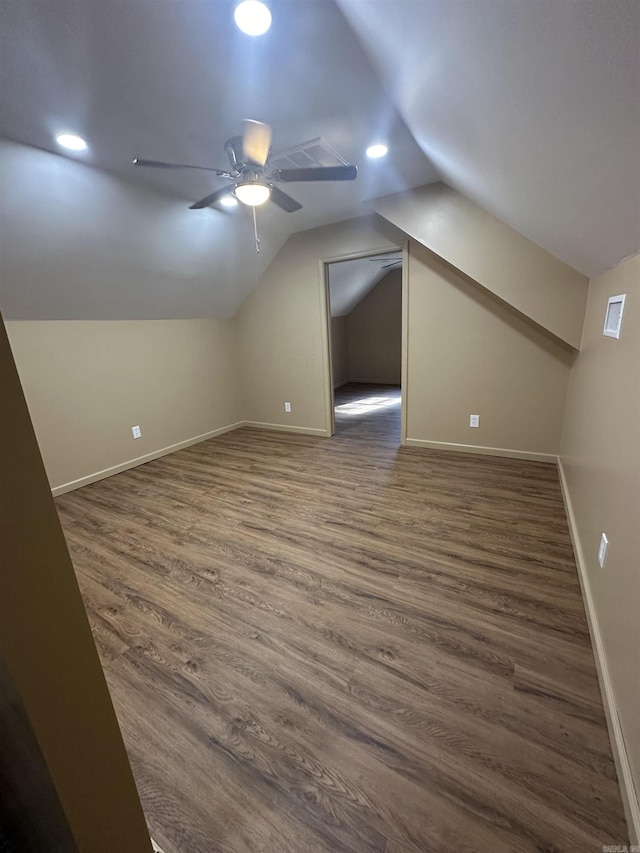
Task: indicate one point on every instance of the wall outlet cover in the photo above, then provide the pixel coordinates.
(137, 432)
(287, 407)
(474, 420)
(602, 550)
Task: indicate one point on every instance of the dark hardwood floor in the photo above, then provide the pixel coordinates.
(326, 645)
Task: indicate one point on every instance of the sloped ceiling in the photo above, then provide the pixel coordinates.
(172, 80)
(529, 107)
(350, 281)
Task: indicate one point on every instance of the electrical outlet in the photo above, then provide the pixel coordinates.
(137, 432)
(602, 550)
(474, 420)
(287, 407)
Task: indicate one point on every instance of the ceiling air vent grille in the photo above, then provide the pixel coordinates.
(309, 154)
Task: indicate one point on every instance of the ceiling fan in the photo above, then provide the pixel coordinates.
(253, 180)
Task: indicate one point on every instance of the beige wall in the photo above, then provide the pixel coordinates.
(282, 327)
(88, 382)
(600, 454)
(468, 353)
(489, 359)
(498, 258)
(339, 351)
(374, 333)
(47, 646)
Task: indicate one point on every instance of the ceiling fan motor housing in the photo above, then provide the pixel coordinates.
(233, 147)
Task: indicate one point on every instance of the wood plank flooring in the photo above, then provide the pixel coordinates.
(326, 645)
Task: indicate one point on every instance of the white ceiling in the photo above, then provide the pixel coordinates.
(172, 80)
(350, 281)
(530, 107)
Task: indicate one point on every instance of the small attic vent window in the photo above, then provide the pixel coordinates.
(613, 317)
(315, 152)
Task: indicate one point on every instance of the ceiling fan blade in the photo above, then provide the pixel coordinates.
(392, 264)
(211, 199)
(284, 201)
(319, 173)
(159, 164)
(256, 142)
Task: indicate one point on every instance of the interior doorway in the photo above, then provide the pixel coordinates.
(365, 343)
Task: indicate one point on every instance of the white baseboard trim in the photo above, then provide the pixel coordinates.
(285, 428)
(620, 756)
(140, 460)
(340, 384)
(485, 451)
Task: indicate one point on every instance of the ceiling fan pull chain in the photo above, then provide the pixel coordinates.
(255, 230)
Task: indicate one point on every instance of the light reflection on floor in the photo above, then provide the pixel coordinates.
(367, 405)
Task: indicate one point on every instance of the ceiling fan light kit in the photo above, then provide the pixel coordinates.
(252, 193)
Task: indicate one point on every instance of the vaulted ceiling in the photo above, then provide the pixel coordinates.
(531, 108)
(351, 280)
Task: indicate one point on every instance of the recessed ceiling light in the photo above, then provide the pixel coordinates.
(228, 201)
(377, 150)
(252, 17)
(71, 141)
